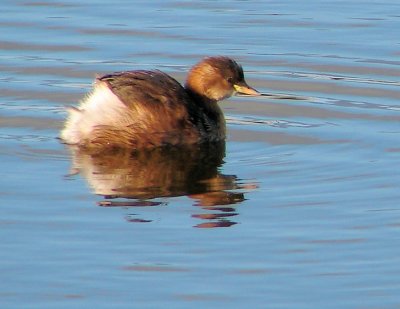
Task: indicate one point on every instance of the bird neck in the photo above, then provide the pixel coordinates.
(207, 114)
(209, 106)
(198, 98)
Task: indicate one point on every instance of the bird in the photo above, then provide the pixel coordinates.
(148, 108)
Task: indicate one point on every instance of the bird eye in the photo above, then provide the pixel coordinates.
(230, 80)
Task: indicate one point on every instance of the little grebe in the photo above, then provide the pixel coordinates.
(139, 109)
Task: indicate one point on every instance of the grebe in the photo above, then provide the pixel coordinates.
(139, 109)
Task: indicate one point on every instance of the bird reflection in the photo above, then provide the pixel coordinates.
(135, 178)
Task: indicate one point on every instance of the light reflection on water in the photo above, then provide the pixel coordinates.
(140, 176)
(299, 211)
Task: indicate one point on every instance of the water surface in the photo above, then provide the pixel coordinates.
(300, 207)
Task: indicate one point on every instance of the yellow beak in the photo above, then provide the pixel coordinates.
(243, 88)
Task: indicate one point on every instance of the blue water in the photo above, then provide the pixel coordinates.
(301, 210)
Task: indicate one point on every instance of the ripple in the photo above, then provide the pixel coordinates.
(56, 70)
(29, 95)
(36, 123)
(248, 120)
(12, 45)
(25, 138)
(154, 268)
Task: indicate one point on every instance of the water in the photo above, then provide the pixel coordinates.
(300, 208)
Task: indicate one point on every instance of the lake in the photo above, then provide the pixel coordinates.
(298, 209)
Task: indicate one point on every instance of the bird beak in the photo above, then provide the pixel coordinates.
(243, 88)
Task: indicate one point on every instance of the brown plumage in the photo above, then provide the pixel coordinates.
(139, 109)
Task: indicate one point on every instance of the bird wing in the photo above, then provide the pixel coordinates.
(142, 87)
(157, 105)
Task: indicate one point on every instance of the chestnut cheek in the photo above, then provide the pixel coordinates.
(218, 89)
